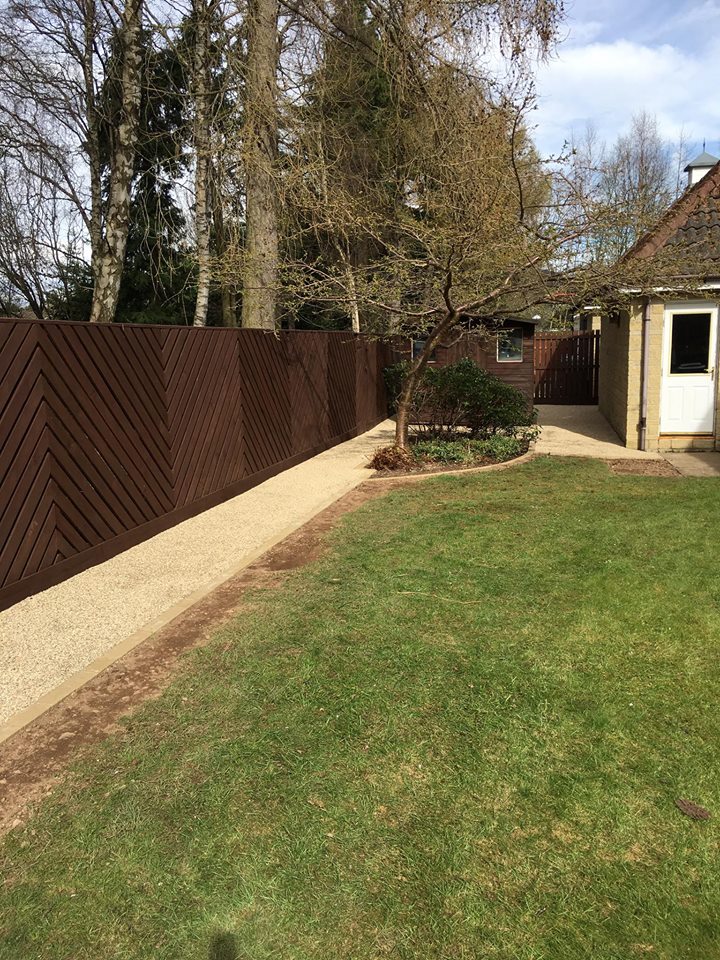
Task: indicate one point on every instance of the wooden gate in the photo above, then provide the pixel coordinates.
(567, 366)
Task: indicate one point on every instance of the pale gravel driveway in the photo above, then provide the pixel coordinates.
(47, 638)
(574, 431)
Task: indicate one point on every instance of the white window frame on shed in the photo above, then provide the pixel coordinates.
(516, 331)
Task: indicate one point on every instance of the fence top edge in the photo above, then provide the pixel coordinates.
(180, 326)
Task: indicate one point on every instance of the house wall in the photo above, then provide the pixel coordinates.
(655, 333)
(587, 322)
(621, 379)
(621, 373)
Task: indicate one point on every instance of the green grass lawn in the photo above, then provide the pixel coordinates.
(460, 735)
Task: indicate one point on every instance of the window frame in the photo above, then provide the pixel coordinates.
(509, 332)
(433, 356)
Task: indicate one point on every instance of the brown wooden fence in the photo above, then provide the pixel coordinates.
(567, 367)
(109, 434)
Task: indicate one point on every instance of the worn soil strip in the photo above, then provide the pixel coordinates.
(402, 475)
(643, 468)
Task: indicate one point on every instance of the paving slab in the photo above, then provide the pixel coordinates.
(52, 637)
(574, 431)
(696, 464)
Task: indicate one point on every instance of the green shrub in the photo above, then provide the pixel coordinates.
(498, 447)
(462, 397)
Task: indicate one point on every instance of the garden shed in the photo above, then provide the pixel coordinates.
(504, 348)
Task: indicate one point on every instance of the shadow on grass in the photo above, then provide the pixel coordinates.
(223, 946)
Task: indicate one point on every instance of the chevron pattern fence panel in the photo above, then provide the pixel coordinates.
(109, 434)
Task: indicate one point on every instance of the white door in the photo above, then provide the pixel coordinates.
(687, 401)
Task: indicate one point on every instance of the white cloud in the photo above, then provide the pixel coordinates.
(607, 83)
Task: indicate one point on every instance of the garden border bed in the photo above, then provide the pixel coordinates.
(393, 477)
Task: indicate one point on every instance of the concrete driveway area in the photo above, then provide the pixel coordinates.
(569, 431)
(696, 464)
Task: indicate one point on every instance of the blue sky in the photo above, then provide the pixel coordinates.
(623, 56)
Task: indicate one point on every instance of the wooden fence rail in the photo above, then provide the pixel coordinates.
(109, 434)
(567, 367)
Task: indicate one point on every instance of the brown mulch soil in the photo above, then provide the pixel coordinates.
(34, 759)
(643, 468)
(430, 467)
(423, 468)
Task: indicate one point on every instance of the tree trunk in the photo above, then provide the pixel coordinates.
(228, 300)
(93, 138)
(202, 157)
(404, 403)
(122, 161)
(354, 306)
(261, 133)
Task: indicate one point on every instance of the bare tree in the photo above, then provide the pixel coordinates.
(627, 185)
(55, 58)
(25, 265)
(464, 223)
(108, 265)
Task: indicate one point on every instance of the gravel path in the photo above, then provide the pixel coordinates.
(570, 431)
(47, 638)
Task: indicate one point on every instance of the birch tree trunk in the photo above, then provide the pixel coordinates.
(201, 93)
(228, 302)
(261, 126)
(93, 136)
(109, 265)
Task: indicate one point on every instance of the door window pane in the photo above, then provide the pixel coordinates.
(690, 348)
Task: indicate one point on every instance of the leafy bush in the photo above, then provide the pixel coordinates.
(498, 447)
(463, 397)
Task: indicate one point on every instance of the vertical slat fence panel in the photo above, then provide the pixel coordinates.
(342, 402)
(264, 377)
(308, 359)
(109, 434)
(567, 367)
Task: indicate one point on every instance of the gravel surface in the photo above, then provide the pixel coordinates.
(573, 431)
(48, 637)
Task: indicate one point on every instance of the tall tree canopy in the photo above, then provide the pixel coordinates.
(359, 163)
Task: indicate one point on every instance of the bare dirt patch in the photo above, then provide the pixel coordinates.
(643, 468)
(34, 759)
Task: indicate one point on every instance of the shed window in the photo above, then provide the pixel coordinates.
(510, 346)
(417, 348)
